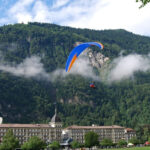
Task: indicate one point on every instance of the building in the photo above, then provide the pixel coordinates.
(114, 132)
(47, 132)
(53, 131)
(129, 134)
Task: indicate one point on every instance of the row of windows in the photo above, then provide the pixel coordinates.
(100, 130)
(21, 134)
(100, 133)
(31, 130)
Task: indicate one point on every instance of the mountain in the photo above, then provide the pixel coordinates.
(33, 80)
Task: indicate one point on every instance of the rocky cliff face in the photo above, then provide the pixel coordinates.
(97, 59)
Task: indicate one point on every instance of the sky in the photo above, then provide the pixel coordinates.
(91, 14)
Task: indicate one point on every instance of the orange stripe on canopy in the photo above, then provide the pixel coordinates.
(101, 45)
(72, 61)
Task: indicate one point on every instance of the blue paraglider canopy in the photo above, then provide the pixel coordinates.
(77, 51)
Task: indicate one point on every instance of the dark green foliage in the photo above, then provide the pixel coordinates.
(143, 133)
(32, 100)
(55, 145)
(29, 96)
(34, 143)
(134, 141)
(9, 141)
(75, 144)
(91, 139)
(106, 142)
(122, 143)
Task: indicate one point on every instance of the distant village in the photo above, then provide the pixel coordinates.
(54, 132)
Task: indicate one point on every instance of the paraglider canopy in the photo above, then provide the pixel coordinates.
(77, 51)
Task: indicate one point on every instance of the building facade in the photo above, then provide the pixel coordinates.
(114, 132)
(129, 134)
(53, 131)
(47, 132)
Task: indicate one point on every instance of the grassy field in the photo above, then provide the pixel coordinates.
(133, 148)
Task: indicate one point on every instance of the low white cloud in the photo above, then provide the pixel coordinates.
(33, 67)
(30, 67)
(125, 66)
(83, 67)
(121, 68)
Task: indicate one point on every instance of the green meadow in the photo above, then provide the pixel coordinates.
(133, 148)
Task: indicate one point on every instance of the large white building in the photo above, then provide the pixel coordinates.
(47, 132)
(53, 131)
(114, 132)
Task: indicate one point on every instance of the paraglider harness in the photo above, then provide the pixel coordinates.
(92, 85)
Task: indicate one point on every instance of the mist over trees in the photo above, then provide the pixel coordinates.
(33, 79)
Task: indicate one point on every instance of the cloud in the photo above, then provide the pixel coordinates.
(41, 13)
(81, 67)
(125, 66)
(33, 67)
(59, 3)
(92, 14)
(72, 12)
(20, 11)
(107, 14)
(121, 68)
(30, 67)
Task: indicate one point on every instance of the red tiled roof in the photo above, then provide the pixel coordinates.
(129, 129)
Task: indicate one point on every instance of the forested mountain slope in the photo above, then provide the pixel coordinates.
(32, 63)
